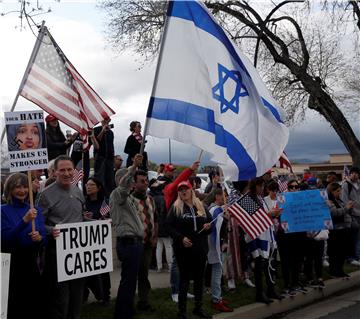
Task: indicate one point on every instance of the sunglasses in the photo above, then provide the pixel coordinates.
(293, 187)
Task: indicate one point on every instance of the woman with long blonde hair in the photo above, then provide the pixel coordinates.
(189, 225)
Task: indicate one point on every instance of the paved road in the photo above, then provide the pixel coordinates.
(346, 306)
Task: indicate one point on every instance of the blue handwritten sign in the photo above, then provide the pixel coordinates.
(304, 211)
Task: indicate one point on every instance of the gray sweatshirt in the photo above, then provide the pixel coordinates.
(61, 206)
(354, 196)
(123, 208)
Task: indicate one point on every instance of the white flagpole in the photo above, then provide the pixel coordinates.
(27, 70)
(163, 37)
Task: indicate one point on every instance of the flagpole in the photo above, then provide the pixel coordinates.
(31, 61)
(169, 151)
(163, 37)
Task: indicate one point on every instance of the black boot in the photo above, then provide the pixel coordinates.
(263, 298)
(201, 313)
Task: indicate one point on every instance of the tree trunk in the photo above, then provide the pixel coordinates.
(324, 105)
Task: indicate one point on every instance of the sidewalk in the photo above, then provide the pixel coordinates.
(254, 310)
(259, 311)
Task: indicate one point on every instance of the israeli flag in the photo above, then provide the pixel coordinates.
(208, 94)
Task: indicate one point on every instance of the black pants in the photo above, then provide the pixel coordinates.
(313, 258)
(191, 267)
(63, 299)
(291, 255)
(144, 286)
(25, 293)
(104, 171)
(129, 253)
(339, 243)
(262, 267)
(99, 285)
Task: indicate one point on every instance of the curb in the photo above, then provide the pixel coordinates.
(260, 311)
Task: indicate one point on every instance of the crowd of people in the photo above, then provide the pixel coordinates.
(203, 242)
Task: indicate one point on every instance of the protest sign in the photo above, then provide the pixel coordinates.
(84, 249)
(26, 140)
(304, 211)
(5, 274)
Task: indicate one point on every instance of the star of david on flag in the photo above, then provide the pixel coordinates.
(225, 76)
(208, 94)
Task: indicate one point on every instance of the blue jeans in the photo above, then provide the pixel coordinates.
(130, 256)
(216, 274)
(174, 277)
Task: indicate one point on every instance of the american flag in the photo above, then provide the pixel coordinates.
(54, 85)
(78, 176)
(282, 181)
(284, 162)
(105, 208)
(250, 215)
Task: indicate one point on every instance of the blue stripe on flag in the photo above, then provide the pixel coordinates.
(204, 119)
(193, 11)
(272, 109)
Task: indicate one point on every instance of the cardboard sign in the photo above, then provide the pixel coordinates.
(304, 211)
(26, 140)
(84, 249)
(5, 274)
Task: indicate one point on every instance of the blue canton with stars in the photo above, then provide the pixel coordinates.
(218, 89)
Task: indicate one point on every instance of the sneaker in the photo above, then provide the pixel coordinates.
(159, 270)
(175, 298)
(292, 292)
(190, 296)
(355, 263)
(220, 306)
(301, 289)
(325, 263)
(249, 283)
(231, 284)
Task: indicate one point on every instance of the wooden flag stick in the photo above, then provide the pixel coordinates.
(31, 199)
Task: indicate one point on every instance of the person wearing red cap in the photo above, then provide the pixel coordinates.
(57, 144)
(189, 225)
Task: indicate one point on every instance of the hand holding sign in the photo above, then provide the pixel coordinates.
(35, 236)
(30, 215)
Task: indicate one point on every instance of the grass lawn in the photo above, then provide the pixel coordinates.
(166, 309)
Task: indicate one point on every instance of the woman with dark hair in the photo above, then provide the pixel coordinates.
(57, 144)
(95, 205)
(133, 145)
(340, 237)
(25, 136)
(24, 245)
(262, 248)
(189, 224)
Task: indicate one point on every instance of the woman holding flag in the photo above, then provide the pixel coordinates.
(97, 208)
(189, 224)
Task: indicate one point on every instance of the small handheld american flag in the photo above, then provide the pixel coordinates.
(78, 174)
(283, 184)
(252, 218)
(104, 209)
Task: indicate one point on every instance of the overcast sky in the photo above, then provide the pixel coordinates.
(78, 29)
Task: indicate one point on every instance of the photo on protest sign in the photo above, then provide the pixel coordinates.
(26, 140)
(5, 275)
(304, 211)
(84, 249)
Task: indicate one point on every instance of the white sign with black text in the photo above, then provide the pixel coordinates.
(26, 140)
(5, 276)
(84, 249)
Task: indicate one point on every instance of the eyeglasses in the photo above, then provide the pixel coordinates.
(293, 187)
